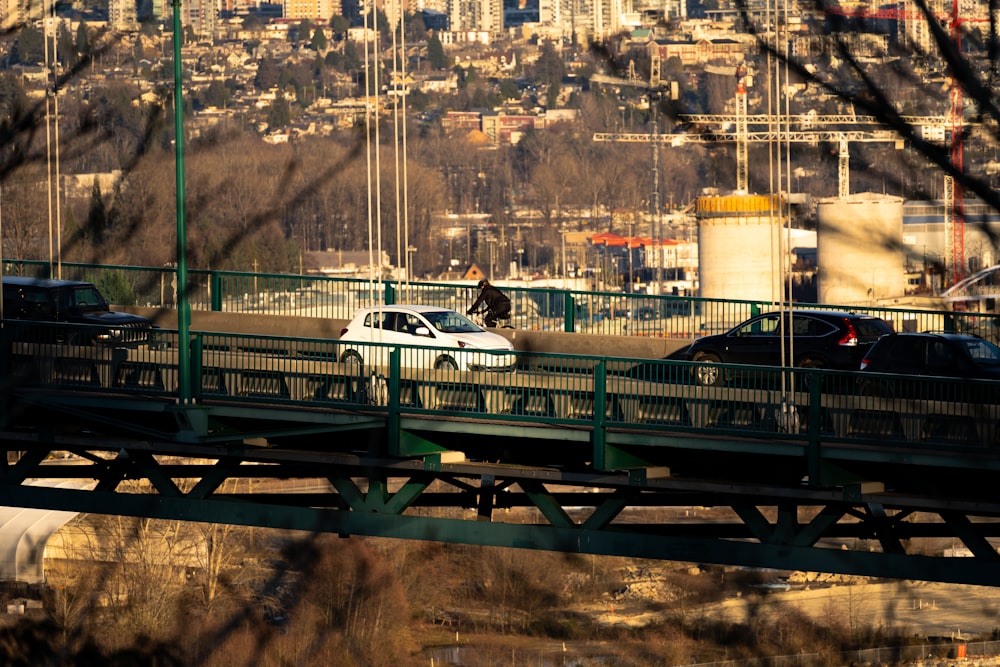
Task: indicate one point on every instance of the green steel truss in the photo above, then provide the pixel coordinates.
(361, 471)
(804, 468)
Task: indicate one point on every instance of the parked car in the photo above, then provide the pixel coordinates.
(953, 355)
(818, 338)
(70, 302)
(456, 341)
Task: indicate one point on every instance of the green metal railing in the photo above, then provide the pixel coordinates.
(599, 393)
(609, 313)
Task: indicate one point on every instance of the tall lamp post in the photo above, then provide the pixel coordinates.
(184, 391)
(410, 249)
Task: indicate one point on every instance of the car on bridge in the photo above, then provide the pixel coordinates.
(944, 354)
(434, 337)
(818, 338)
(928, 355)
(69, 302)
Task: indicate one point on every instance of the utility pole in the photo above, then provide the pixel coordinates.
(655, 204)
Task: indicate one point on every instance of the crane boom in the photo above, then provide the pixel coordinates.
(841, 137)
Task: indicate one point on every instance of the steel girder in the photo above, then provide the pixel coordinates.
(644, 512)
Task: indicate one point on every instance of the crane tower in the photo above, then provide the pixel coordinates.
(742, 140)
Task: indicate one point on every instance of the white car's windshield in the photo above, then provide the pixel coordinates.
(451, 322)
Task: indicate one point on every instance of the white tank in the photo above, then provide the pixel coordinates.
(859, 254)
(739, 243)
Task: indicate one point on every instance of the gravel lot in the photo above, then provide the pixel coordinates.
(930, 609)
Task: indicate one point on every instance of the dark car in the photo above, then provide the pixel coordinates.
(818, 339)
(943, 354)
(69, 302)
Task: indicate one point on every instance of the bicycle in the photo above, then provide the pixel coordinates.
(479, 317)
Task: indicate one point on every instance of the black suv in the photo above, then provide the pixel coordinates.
(70, 302)
(818, 338)
(944, 354)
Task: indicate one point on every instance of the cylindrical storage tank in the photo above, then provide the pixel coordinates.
(739, 243)
(859, 253)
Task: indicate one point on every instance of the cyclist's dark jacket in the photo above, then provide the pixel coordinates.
(495, 300)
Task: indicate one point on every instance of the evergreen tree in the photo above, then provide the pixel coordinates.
(339, 26)
(318, 42)
(13, 100)
(552, 96)
(97, 216)
(509, 90)
(83, 46)
(301, 31)
(435, 53)
(30, 45)
(352, 59)
(416, 31)
(279, 114)
(268, 74)
(549, 68)
(66, 46)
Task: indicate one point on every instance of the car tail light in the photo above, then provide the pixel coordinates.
(864, 363)
(462, 343)
(343, 331)
(851, 337)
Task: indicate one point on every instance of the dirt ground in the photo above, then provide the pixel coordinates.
(929, 609)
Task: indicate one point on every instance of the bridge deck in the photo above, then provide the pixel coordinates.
(801, 456)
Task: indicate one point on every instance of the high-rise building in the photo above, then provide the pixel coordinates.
(122, 14)
(14, 13)
(202, 16)
(153, 9)
(314, 10)
(584, 20)
(476, 15)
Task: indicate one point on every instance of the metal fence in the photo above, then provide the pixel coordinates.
(600, 392)
(608, 313)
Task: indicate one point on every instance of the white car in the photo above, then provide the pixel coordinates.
(449, 340)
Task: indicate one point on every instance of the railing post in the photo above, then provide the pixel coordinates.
(390, 294)
(215, 287)
(569, 312)
(5, 363)
(600, 408)
(197, 382)
(813, 429)
(392, 423)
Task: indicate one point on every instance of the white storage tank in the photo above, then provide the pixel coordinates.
(740, 238)
(859, 252)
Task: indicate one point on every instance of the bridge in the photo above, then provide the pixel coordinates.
(572, 452)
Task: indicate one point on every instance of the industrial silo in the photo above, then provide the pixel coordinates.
(739, 243)
(859, 253)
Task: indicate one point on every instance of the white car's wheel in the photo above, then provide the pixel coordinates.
(446, 364)
(354, 362)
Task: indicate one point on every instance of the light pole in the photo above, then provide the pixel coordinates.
(563, 272)
(628, 247)
(184, 388)
(409, 258)
(493, 252)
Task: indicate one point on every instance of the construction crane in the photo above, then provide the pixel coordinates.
(841, 137)
(954, 192)
(799, 129)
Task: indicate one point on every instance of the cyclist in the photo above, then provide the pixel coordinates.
(495, 302)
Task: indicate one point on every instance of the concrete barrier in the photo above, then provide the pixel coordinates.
(541, 342)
